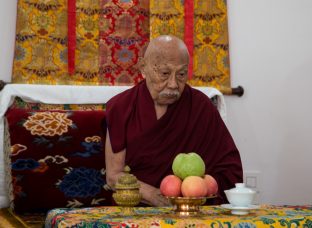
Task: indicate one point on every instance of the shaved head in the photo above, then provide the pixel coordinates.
(165, 45)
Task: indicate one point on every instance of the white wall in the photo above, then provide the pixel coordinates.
(271, 57)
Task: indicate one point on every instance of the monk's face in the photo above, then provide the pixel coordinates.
(166, 74)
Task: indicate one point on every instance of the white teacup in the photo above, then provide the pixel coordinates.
(240, 196)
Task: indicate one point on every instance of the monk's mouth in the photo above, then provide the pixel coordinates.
(170, 96)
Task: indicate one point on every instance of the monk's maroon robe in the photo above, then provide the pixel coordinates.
(192, 124)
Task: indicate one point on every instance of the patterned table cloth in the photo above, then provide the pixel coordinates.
(211, 216)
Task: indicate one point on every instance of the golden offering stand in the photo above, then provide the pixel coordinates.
(127, 191)
(188, 206)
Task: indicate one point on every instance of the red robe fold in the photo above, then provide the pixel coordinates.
(192, 124)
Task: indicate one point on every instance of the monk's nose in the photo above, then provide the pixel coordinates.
(172, 83)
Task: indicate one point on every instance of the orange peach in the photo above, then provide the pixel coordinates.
(194, 186)
(171, 186)
(212, 185)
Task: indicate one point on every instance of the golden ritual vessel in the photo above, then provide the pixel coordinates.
(188, 206)
(127, 190)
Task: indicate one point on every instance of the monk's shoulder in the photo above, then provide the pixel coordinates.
(199, 96)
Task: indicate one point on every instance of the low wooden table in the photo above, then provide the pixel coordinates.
(8, 219)
(210, 216)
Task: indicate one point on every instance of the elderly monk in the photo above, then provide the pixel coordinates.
(162, 116)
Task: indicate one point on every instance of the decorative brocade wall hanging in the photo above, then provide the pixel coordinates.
(99, 42)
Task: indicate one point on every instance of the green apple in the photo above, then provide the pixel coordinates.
(188, 164)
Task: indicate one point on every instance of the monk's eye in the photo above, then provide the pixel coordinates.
(181, 74)
(165, 74)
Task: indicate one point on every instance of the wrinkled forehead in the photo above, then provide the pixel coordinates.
(167, 55)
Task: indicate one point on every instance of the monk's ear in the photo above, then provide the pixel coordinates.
(142, 64)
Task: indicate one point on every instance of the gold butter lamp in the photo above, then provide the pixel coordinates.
(127, 191)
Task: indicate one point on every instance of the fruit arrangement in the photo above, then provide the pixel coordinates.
(188, 178)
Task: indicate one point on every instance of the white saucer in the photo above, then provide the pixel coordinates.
(240, 210)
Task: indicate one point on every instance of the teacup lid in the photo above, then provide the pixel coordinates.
(241, 187)
(127, 180)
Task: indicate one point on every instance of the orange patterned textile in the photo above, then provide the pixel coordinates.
(41, 46)
(210, 216)
(101, 42)
(41, 49)
(210, 37)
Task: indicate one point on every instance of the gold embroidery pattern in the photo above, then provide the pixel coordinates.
(48, 123)
(210, 56)
(93, 139)
(110, 37)
(17, 148)
(166, 17)
(87, 49)
(41, 42)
